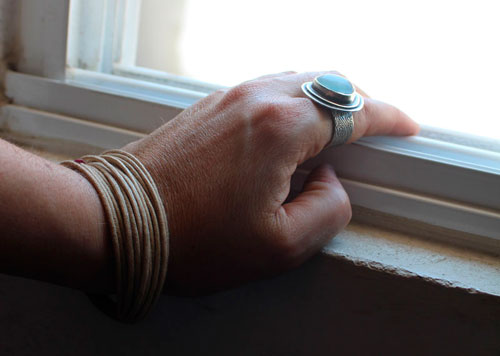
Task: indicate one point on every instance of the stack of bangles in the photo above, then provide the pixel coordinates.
(138, 226)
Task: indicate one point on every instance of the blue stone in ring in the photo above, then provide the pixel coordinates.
(334, 92)
(334, 88)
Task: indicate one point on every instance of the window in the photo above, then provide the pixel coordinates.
(435, 59)
(94, 91)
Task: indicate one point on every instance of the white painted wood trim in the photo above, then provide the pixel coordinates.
(171, 95)
(130, 15)
(57, 128)
(111, 107)
(428, 210)
(164, 78)
(407, 164)
(95, 34)
(43, 34)
(483, 223)
(102, 34)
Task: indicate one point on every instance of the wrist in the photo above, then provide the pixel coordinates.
(52, 224)
(84, 226)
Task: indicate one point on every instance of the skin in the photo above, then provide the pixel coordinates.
(223, 168)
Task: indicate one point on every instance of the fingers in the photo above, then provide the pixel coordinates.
(315, 215)
(379, 118)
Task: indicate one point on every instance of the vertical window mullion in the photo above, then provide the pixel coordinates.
(43, 34)
(129, 32)
(95, 34)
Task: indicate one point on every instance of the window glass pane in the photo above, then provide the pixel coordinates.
(438, 60)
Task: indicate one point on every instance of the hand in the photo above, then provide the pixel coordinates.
(223, 167)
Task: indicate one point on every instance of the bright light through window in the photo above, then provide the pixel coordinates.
(437, 60)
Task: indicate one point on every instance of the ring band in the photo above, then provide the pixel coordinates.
(343, 127)
(336, 93)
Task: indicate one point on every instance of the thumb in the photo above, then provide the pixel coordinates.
(318, 213)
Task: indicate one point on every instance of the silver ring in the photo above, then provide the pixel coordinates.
(343, 126)
(339, 95)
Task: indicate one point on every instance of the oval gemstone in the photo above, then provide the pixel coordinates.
(336, 83)
(335, 89)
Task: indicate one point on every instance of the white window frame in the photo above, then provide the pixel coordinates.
(440, 184)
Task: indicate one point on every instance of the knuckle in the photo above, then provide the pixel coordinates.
(274, 109)
(242, 92)
(285, 250)
(347, 216)
(343, 211)
(220, 92)
(276, 118)
(242, 97)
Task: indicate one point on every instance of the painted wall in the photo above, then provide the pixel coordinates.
(9, 11)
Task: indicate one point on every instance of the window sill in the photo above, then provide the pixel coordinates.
(413, 256)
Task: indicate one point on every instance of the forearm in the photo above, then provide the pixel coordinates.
(51, 222)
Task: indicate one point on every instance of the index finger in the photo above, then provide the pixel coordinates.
(381, 119)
